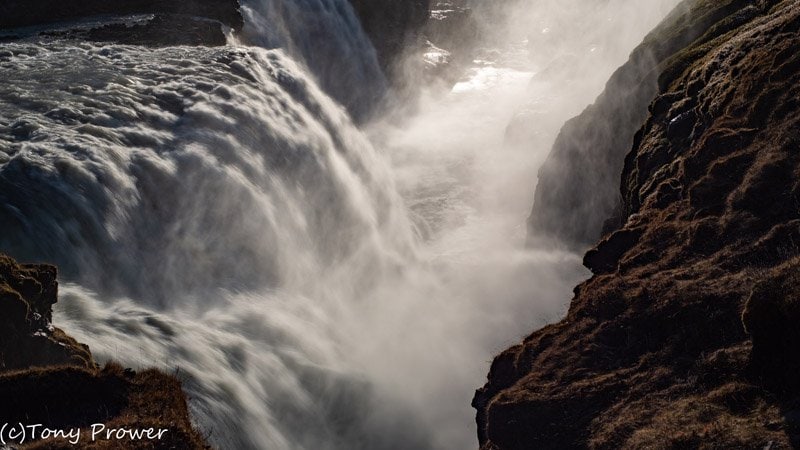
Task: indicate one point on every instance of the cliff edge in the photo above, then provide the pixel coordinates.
(574, 209)
(686, 336)
(50, 379)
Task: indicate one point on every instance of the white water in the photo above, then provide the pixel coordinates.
(216, 214)
(327, 37)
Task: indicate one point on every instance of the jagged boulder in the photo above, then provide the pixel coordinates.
(27, 294)
(48, 378)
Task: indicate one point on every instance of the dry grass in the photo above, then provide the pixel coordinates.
(687, 336)
(72, 397)
(48, 378)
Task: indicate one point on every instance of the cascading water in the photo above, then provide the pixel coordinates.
(215, 213)
(327, 37)
(228, 198)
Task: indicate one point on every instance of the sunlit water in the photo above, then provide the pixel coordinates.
(214, 213)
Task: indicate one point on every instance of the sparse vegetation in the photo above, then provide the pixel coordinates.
(49, 378)
(687, 335)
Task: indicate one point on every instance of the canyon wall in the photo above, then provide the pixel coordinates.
(574, 209)
(686, 336)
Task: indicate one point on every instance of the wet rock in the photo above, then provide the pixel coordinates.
(198, 22)
(27, 295)
(452, 26)
(162, 30)
(681, 126)
(452, 30)
(578, 186)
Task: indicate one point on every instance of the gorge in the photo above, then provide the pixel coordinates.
(300, 224)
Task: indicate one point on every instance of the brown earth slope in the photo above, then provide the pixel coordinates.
(48, 378)
(688, 334)
(573, 209)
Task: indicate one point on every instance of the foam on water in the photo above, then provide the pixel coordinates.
(226, 213)
(151, 167)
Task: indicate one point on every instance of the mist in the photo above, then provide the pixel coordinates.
(465, 163)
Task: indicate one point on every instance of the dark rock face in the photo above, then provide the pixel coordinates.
(162, 30)
(48, 378)
(771, 318)
(21, 13)
(391, 25)
(687, 335)
(27, 295)
(573, 209)
(71, 398)
(173, 23)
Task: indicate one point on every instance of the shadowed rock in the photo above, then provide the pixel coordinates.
(27, 295)
(391, 25)
(162, 30)
(22, 13)
(173, 23)
(48, 378)
(578, 188)
(686, 337)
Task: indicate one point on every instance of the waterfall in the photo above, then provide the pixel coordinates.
(227, 204)
(158, 168)
(327, 37)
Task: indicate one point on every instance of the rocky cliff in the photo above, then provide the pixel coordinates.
(686, 336)
(27, 295)
(573, 209)
(48, 378)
